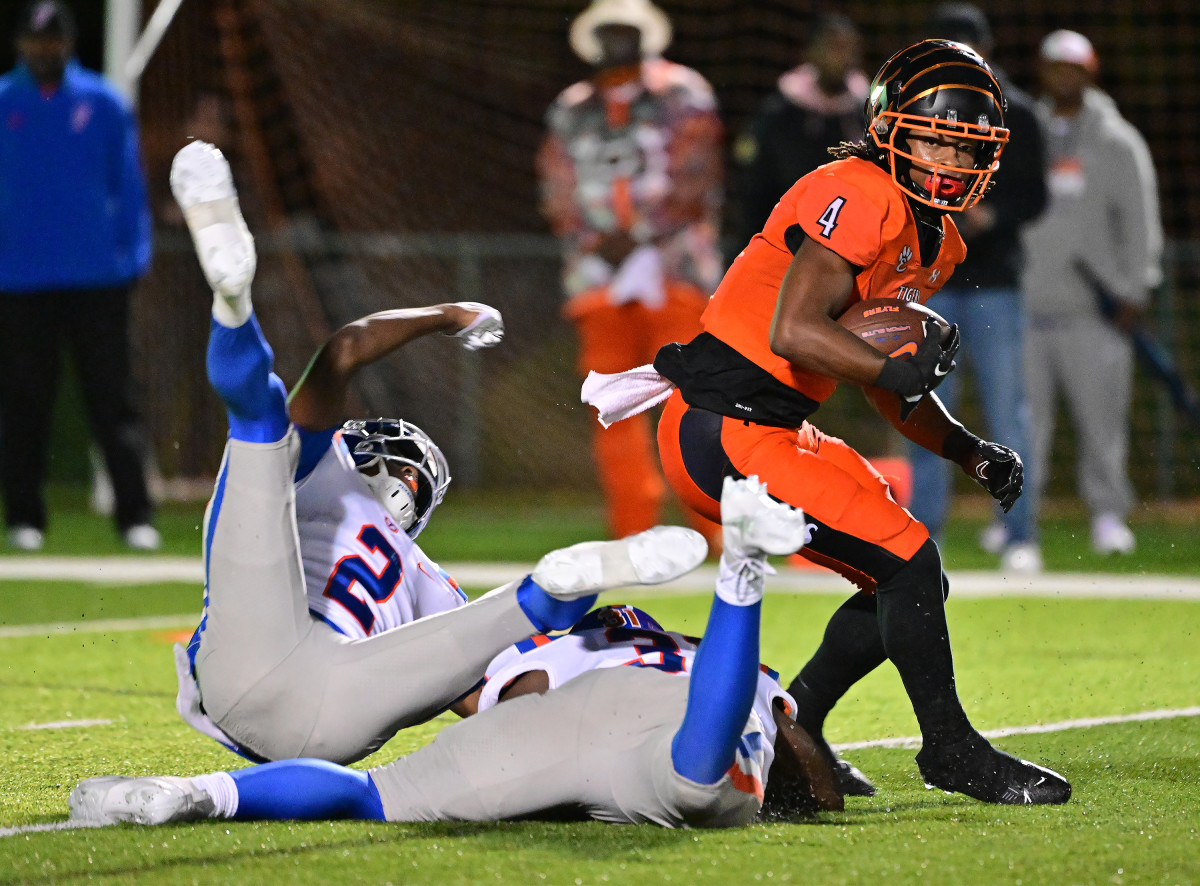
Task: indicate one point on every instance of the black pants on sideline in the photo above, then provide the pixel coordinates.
(94, 325)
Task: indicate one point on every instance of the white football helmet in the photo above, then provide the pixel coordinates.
(402, 465)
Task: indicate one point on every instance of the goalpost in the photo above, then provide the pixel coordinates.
(126, 53)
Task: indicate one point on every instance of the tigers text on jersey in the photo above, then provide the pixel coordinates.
(853, 208)
(566, 656)
(363, 573)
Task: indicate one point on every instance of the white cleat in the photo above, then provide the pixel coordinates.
(26, 538)
(994, 537)
(755, 524)
(1110, 535)
(87, 799)
(203, 187)
(657, 555)
(143, 537)
(111, 799)
(1024, 558)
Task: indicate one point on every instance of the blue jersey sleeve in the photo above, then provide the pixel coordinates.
(313, 445)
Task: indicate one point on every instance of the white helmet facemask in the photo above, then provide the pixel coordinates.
(397, 497)
(403, 467)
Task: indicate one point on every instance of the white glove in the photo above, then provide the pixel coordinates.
(485, 331)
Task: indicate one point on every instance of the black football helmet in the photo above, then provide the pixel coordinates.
(403, 466)
(935, 88)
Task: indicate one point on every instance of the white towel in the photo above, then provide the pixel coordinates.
(619, 395)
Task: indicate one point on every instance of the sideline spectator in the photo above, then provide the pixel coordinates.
(984, 298)
(815, 105)
(631, 173)
(74, 238)
(1092, 260)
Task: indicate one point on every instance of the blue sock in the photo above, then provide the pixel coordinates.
(239, 369)
(549, 613)
(724, 680)
(305, 790)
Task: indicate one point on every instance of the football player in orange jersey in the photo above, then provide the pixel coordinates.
(876, 223)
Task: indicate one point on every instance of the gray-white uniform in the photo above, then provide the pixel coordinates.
(1102, 216)
(597, 745)
(272, 680)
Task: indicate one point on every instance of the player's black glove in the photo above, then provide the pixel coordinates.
(912, 379)
(996, 468)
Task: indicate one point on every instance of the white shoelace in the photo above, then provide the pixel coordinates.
(741, 577)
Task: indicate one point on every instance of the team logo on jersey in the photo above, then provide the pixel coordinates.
(909, 293)
(81, 115)
(905, 258)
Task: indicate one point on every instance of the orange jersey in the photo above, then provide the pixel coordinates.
(853, 208)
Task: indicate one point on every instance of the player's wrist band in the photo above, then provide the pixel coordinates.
(959, 443)
(901, 377)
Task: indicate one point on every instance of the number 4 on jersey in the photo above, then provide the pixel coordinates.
(829, 218)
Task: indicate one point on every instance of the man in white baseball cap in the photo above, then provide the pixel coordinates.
(1072, 48)
(1092, 260)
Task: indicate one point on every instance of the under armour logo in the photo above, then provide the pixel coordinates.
(934, 274)
(905, 258)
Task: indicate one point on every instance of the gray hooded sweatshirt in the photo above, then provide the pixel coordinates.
(1102, 213)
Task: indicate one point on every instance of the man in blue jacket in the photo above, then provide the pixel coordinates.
(74, 238)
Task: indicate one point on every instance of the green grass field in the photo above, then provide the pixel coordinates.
(105, 703)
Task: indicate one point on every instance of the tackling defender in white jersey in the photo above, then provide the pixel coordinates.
(326, 628)
(619, 721)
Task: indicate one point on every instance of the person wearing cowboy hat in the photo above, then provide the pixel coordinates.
(631, 183)
(1092, 260)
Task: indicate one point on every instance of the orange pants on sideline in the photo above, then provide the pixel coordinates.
(860, 532)
(613, 338)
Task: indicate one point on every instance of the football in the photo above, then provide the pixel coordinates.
(893, 327)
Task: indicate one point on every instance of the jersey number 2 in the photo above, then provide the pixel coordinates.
(829, 218)
(354, 570)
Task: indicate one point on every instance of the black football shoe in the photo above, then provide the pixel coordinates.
(849, 780)
(975, 768)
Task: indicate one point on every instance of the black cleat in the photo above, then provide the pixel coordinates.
(975, 768)
(847, 778)
(849, 781)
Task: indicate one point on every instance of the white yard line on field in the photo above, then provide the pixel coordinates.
(65, 724)
(1084, 723)
(47, 826)
(101, 626)
(145, 570)
(1062, 726)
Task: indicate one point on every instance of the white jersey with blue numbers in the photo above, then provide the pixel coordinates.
(363, 573)
(628, 637)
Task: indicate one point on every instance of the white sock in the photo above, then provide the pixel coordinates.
(221, 787)
(740, 578)
(232, 311)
